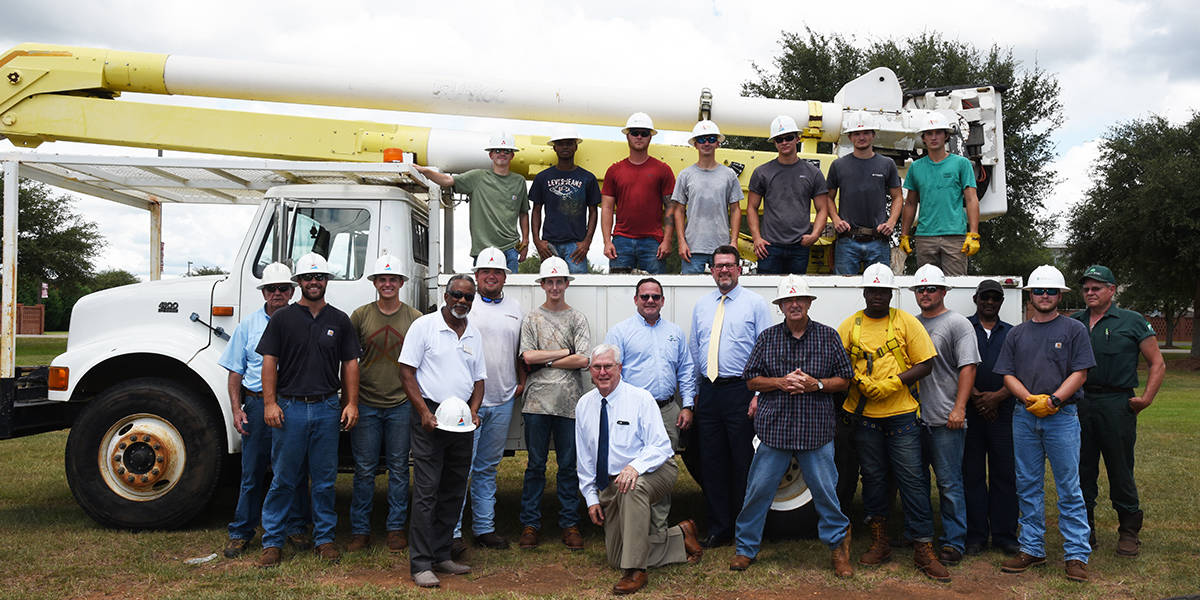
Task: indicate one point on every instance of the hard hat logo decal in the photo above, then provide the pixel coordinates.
(876, 280)
(792, 290)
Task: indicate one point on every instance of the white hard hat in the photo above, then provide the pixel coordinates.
(781, 125)
(502, 141)
(564, 132)
(933, 122)
(879, 275)
(491, 258)
(454, 415)
(706, 127)
(1046, 276)
(858, 121)
(311, 263)
(275, 273)
(929, 275)
(554, 267)
(639, 120)
(792, 286)
(387, 264)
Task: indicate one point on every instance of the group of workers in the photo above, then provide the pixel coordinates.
(885, 397)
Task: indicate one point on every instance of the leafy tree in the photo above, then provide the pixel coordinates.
(111, 278)
(206, 270)
(1141, 218)
(814, 66)
(55, 245)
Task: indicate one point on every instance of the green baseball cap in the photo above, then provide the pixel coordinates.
(1100, 273)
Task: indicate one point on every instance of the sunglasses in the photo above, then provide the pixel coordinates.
(1044, 291)
(501, 151)
(639, 132)
(649, 297)
(990, 297)
(926, 289)
(706, 139)
(313, 277)
(787, 137)
(279, 287)
(457, 295)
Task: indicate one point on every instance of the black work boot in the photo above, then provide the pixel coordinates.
(1130, 525)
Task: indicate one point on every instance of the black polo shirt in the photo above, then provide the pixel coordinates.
(310, 349)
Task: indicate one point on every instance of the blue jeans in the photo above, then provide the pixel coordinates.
(309, 433)
(490, 439)
(564, 251)
(782, 259)
(256, 457)
(641, 253)
(538, 429)
(766, 471)
(380, 429)
(849, 254)
(1056, 438)
(944, 450)
(699, 261)
(895, 442)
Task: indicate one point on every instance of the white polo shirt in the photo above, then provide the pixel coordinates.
(447, 366)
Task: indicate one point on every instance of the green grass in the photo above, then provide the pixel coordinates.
(50, 549)
(33, 351)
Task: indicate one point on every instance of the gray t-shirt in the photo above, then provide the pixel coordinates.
(787, 191)
(862, 185)
(707, 194)
(954, 337)
(1043, 355)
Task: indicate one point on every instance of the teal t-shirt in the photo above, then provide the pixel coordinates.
(941, 185)
(496, 202)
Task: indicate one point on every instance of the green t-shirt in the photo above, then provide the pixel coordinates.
(381, 337)
(941, 185)
(496, 202)
(1116, 340)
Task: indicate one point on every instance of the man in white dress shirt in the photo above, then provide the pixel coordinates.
(618, 426)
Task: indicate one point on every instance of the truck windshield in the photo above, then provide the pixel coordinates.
(338, 234)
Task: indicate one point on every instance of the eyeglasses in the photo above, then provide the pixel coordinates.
(787, 137)
(1092, 289)
(1044, 291)
(926, 289)
(649, 297)
(724, 267)
(604, 367)
(313, 277)
(706, 139)
(639, 132)
(457, 295)
(279, 287)
(501, 151)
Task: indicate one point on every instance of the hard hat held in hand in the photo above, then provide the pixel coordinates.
(639, 120)
(1046, 276)
(387, 265)
(858, 121)
(454, 415)
(781, 125)
(309, 264)
(554, 267)
(879, 275)
(706, 127)
(502, 141)
(491, 258)
(792, 286)
(275, 273)
(929, 275)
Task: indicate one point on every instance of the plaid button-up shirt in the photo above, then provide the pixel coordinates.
(802, 421)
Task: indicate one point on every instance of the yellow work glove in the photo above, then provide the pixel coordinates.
(906, 244)
(971, 244)
(880, 389)
(1040, 405)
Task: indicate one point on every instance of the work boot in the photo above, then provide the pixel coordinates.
(1091, 516)
(1130, 524)
(928, 563)
(458, 547)
(269, 558)
(491, 540)
(881, 548)
(396, 540)
(529, 538)
(358, 542)
(841, 557)
(328, 553)
(950, 556)
(1077, 570)
(572, 539)
(1021, 562)
(740, 562)
(235, 547)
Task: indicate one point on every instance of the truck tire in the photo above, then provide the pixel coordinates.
(145, 454)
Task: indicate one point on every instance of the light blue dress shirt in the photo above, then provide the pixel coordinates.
(636, 436)
(746, 316)
(240, 356)
(655, 358)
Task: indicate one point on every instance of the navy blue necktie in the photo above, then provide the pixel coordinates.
(602, 448)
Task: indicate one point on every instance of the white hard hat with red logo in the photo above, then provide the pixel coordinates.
(929, 275)
(454, 415)
(706, 127)
(502, 141)
(387, 265)
(792, 286)
(554, 267)
(858, 121)
(933, 122)
(491, 258)
(879, 275)
(781, 125)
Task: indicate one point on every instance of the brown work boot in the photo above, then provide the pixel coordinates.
(269, 558)
(881, 547)
(300, 541)
(928, 563)
(1021, 562)
(949, 556)
(691, 543)
(1077, 570)
(396, 540)
(358, 541)
(631, 581)
(740, 563)
(235, 547)
(572, 539)
(529, 538)
(328, 553)
(1130, 525)
(841, 557)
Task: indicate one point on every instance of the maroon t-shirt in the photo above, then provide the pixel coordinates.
(639, 190)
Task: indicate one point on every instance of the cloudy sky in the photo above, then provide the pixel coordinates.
(1115, 60)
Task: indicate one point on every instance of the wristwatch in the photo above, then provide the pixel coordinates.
(1055, 401)
(820, 386)
(550, 363)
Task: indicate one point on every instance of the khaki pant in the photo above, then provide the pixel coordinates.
(629, 538)
(662, 509)
(945, 251)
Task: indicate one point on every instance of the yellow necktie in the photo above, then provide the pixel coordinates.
(714, 341)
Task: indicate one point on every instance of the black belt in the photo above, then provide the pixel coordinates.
(1097, 388)
(727, 380)
(662, 403)
(308, 399)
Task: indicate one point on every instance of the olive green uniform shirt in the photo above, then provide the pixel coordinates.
(1115, 340)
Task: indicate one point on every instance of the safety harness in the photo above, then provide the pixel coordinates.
(891, 345)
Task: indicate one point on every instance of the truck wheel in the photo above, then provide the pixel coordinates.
(145, 454)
